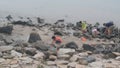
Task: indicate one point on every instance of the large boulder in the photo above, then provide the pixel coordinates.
(6, 29)
(40, 46)
(71, 45)
(34, 37)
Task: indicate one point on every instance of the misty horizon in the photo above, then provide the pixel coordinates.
(70, 10)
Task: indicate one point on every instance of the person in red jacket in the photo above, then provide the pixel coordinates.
(57, 40)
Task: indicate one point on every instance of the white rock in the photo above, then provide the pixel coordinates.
(74, 58)
(5, 48)
(63, 51)
(39, 55)
(16, 54)
(26, 60)
(2, 60)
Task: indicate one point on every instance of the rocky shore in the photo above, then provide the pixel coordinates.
(27, 45)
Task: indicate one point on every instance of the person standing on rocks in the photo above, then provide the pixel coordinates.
(84, 26)
(57, 40)
(108, 27)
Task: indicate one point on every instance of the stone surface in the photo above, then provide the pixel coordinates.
(51, 63)
(52, 57)
(16, 54)
(63, 51)
(72, 65)
(26, 60)
(6, 29)
(30, 51)
(65, 57)
(74, 58)
(5, 48)
(2, 60)
(61, 62)
(34, 37)
(71, 45)
(39, 55)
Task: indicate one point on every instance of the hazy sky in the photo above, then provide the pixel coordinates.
(73, 10)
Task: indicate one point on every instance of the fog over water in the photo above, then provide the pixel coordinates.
(71, 10)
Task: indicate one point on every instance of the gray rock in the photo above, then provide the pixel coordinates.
(15, 53)
(74, 58)
(65, 57)
(71, 45)
(40, 46)
(39, 55)
(83, 62)
(26, 60)
(6, 29)
(72, 65)
(5, 48)
(61, 62)
(2, 60)
(34, 37)
(90, 59)
(52, 57)
(1, 54)
(50, 63)
(30, 51)
(8, 40)
(118, 58)
(63, 51)
(96, 64)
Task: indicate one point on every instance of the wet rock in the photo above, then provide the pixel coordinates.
(60, 33)
(22, 23)
(5, 48)
(39, 55)
(88, 47)
(40, 46)
(6, 29)
(15, 54)
(71, 45)
(30, 51)
(63, 51)
(34, 37)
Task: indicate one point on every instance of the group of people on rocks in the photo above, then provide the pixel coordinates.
(85, 27)
(96, 29)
